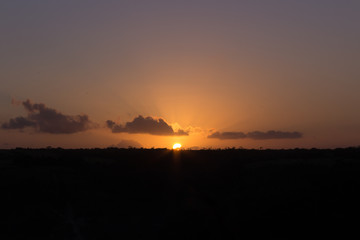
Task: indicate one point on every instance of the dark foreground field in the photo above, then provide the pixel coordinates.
(142, 194)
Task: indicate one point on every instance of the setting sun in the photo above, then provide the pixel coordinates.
(177, 146)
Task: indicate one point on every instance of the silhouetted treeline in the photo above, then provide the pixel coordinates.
(194, 194)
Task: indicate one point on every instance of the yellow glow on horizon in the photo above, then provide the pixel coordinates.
(177, 146)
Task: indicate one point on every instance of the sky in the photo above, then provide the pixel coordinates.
(251, 74)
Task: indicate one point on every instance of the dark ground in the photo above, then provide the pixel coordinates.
(205, 194)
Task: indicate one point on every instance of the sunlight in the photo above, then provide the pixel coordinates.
(177, 146)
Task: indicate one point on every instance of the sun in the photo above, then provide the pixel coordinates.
(177, 146)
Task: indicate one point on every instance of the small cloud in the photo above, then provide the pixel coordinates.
(148, 125)
(227, 135)
(181, 132)
(256, 135)
(48, 120)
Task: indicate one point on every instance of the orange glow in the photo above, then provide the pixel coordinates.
(177, 146)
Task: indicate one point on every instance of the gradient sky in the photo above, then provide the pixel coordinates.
(204, 67)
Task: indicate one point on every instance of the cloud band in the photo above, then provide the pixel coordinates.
(256, 135)
(147, 125)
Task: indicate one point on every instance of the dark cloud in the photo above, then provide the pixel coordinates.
(18, 123)
(146, 125)
(48, 120)
(257, 135)
(228, 135)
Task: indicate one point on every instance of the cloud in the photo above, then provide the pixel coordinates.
(181, 132)
(256, 135)
(48, 120)
(146, 125)
(227, 135)
(18, 123)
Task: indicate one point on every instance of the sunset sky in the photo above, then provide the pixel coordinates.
(206, 73)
